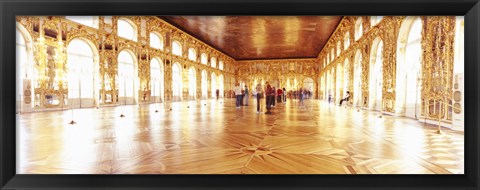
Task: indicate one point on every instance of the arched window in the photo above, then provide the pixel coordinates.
(459, 53)
(127, 77)
(346, 67)
(332, 54)
(338, 48)
(156, 41)
(408, 72)
(214, 84)
(220, 85)
(220, 65)
(213, 62)
(458, 74)
(176, 48)
(127, 29)
(358, 28)
(204, 84)
(339, 80)
(24, 68)
(91, 21)
(308, 85)
(347, 41)
(374, 20)
(177, 81)
(192, 83)
(204, 58)
(376, 79)
(357, 79)
(82, 73)
(21, 55)
(192, 54)
(156, 80)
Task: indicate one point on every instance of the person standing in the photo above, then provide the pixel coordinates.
(259, 92)
(246, 95)
(268, 99)
(273, 96)
(241, 98)
(279, 95)
(238, 94)
(301, 96)
(284, 95)
(217, 93)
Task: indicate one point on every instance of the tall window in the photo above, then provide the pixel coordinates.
(408, 72)
(376, 79)
(332, 54)
(346, 67)
(459, 55)
(347, 41)
(192, 55)
(357, 79)
(80, 64)
(204, 84)
(176, 81)
(91, 21)
(213, 62)
(220, 65)
(358, 28)
(338, 48)
(204, 58)
(192, 83)
(21, 64)
(156, 80)
(156, 41)
(127, 29)
(220, 85)
(375, 20)
(176, 48)
(127, 77)
(214, 84)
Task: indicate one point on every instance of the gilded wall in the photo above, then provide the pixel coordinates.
(51, 36)
(436, 60)
(344, 53)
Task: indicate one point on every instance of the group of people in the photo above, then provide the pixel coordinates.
(241, 95)
(269, 92)
(301, 93)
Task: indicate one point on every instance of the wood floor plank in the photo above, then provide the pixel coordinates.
(318, 138)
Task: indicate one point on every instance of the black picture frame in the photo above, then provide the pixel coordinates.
(9, 9)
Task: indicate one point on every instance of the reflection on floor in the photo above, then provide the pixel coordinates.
(212, 136)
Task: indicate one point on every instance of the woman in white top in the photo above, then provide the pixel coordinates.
(238, 94)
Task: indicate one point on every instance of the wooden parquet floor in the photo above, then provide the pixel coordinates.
(213, 137)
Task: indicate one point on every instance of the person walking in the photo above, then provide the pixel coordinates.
(284, 95)
(246, 95)
(238, 94)
(259, 92)
(217, 93)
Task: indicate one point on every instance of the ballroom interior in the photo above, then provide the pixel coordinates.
(138, 94)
